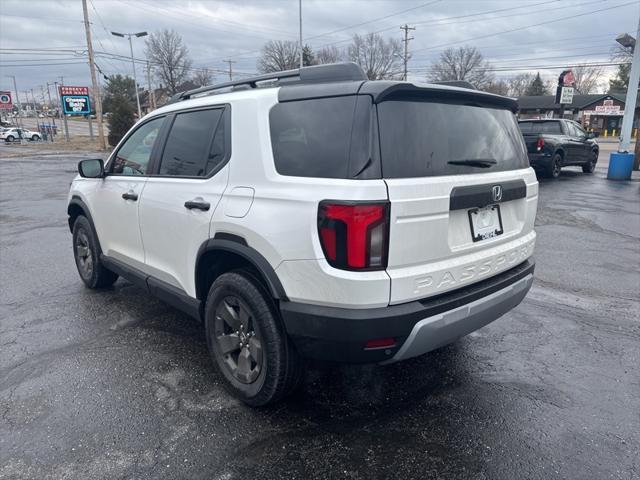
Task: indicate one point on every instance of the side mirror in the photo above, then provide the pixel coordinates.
(591, 135)
(93, 168)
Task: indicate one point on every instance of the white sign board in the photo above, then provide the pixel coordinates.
(566, 96)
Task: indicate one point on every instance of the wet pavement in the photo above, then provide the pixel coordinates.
(115, 384)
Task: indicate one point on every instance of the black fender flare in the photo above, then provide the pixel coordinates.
(227, 242)
(77, 202)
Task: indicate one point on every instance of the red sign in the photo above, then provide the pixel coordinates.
(5, 101)
(65, 90)
(567, 79)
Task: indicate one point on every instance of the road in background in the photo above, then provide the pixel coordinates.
(116, 384)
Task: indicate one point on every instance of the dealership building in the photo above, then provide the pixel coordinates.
(600, 113)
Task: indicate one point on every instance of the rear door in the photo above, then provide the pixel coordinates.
(180, 196)
(575, 144)
(463, 199)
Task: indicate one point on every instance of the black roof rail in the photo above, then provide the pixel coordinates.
(332, 72)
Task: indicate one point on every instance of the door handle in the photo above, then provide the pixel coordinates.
(130, 196)
(197, 204)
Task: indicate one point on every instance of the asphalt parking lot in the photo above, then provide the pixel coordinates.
(115, 384)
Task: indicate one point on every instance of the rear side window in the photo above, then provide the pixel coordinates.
(551, 128)
(196, 144)
(326, 137)
(420, 139)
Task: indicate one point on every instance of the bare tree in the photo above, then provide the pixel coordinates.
(167, 51)
(329, 54)
(519, 84)
(278, 55)
(499, 87)
(379, 58)
(203, 77)
(463, 63)
(587, 78)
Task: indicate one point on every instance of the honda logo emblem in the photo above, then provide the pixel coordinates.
(497, 193)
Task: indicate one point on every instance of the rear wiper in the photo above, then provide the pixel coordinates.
(476, 162)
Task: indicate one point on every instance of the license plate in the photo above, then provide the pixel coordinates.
(485, 222)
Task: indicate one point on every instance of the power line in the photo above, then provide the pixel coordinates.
(526, 26)
(377, 19)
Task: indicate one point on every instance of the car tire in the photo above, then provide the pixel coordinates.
(247, 341)
(87, 255)
(554, 167)
(590, 166)
(10, 138)
(34, 138)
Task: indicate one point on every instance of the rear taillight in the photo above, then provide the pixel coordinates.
(540, 144)
(354, 236)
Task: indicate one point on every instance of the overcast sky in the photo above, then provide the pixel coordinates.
(512, 34)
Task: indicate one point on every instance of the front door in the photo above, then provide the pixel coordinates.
(180, 196)
(117, 196)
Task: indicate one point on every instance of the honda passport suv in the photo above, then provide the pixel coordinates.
(315, 214)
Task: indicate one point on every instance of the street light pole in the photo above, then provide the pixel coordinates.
(133, 63)
(632, 92)
(135, 80)
(301, 48)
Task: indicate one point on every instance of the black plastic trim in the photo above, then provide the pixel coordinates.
(227, 242)
(174, 296)
(383, 90)
(473, 196)
(339, 334)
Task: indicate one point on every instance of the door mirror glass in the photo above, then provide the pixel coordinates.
(93, 168)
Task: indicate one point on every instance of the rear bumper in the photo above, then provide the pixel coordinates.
(539, 159)
(340, 334)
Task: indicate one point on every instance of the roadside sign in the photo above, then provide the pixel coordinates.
(67, 90)
(566, 95)
(567, 79)
(76, 104)
(75, 100)
(6, 103)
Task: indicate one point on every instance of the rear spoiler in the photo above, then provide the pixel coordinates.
(389, 90)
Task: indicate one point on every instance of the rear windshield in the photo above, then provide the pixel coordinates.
(552, 128)
(420, 139)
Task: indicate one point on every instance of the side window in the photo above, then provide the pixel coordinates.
(579, 131)
(133, 156)
(312, 138)
(571, 129)
(196, 144)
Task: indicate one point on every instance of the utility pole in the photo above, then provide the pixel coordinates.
(301, 47)
(94, 81)
(230, 68)
(62, 114)
(15, 89)
(405, 58)
(53, 117)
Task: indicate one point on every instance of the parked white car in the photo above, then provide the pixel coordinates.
(322, 216)
(13, 134)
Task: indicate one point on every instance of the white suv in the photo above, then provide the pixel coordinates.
(321, 216)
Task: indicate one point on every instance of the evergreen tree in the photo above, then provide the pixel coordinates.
(120, 120)
(620, 82)
(308, 58)
(536, 87)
